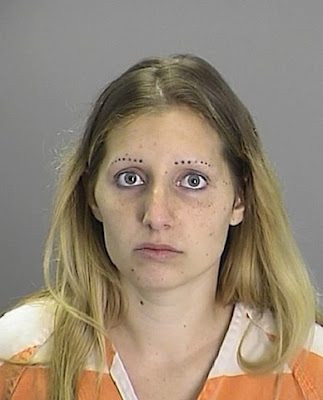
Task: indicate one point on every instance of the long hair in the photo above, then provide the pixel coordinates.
(261, 265)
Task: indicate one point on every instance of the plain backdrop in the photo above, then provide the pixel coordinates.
(55, 56)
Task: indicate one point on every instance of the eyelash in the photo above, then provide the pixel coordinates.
(117, 178)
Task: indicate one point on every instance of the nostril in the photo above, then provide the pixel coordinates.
(157, 219)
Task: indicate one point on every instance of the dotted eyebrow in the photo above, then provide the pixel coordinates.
(140, 160)
(127, 159)
(191, 162)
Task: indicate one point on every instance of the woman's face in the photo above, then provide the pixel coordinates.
(164, 181)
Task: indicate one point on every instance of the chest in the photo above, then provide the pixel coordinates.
(169, 380)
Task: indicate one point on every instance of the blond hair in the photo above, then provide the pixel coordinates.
(261, 265)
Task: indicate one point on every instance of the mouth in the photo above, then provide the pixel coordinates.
(159, 252)
(157, 247)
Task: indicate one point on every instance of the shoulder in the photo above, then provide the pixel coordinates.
(262, 332)
(314, 351)
(316, 341)
(28, 326)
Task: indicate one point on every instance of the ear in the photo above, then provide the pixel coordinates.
(237, 211)
(90, 198)
(95, 210)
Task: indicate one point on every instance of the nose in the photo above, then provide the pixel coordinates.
(157, 213)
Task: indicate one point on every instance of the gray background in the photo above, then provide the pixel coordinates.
(55, 56)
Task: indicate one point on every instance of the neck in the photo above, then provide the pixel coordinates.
(172, 321)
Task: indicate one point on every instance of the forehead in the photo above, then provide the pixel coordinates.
(173, 132)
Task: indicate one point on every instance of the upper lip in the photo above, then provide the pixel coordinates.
(156, 246)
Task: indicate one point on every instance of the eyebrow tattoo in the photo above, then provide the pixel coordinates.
(192, 162)
(127, 159)
(139, 160)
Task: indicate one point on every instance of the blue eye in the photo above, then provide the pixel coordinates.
(194, 181)
(129, 179)
(191, 181)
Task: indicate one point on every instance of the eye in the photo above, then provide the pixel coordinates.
(128, 179)
(194, 181)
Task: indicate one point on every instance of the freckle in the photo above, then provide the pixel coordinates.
(207, 254)
(119, 159)
(124, 159)
(140, 161)
(132, 270)
(201, 162)
(176, 162)
(141, 302)
(184, 326)
(183, 162)
(135, 160)
(189, 162)
(195, 161)
(129, 159)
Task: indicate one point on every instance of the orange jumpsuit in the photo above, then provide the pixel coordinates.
(25, 332)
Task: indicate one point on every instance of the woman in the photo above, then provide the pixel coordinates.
(170, 268)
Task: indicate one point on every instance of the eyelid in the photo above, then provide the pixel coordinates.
(195, 172)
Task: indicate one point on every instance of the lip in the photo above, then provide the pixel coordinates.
(157, 251)
(157, 255)
(158, 247)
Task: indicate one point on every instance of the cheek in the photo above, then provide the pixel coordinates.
(114, 215)
(113, 208)
(115, 232)
(210, 225)
(116, 219)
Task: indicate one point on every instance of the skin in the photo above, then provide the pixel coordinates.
(177, 191)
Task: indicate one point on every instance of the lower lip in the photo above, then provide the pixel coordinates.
(157, 254)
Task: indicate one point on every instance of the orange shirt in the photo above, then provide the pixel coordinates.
(25, 332)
